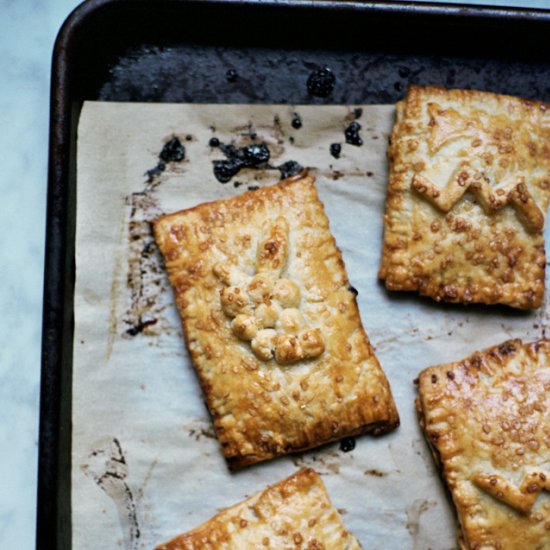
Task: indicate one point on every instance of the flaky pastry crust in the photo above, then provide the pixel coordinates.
(294, 513)
(467, 197)
(487, 421)
(271, 323)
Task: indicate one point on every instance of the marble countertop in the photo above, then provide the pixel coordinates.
(28, 29)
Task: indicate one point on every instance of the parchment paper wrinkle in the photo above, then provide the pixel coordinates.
(146, 465)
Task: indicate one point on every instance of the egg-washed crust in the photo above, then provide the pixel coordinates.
(304, 396)
(467, 197)
(487, 422)
(294, 513)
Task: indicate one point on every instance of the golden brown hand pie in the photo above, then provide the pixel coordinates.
(487, 421)
(271, 323)
(294, 513)
(467, 197)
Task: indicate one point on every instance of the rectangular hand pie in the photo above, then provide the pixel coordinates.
(467, 197)
(487, 421)
(271, 323)
(294, 513)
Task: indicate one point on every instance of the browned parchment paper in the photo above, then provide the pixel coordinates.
(145, 463)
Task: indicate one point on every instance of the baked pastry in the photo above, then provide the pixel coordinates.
(271, 323)
(467, 197)
(487, 421)
(294, 513)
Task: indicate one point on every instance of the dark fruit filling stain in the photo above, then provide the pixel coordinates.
(352, 134)
(155, 172)
(140, 326)
(296, 121)
(347, 444)
(250, 156)
(231, 75)
(224, 170)
(335, 150)
(321, 82)
(255, 156)
(289, 169)
(353, 290)
(173, 151)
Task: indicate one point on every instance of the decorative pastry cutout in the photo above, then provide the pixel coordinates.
(520, 498)
(447, 125)
(467, 197)
(265, 307)
(466, 178)
(487, 421)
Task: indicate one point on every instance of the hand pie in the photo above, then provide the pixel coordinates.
(294, 513)
(271, 323)
(487, 421)
(467, 197)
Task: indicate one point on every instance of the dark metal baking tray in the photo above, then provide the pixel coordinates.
(180, 51)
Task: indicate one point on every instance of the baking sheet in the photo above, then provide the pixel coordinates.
(145, 463)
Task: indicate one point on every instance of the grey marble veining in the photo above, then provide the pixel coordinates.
(27, 33)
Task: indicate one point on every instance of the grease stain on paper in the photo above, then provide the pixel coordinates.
(115, 283)
(147, 477)
(414, 512)
(325, 462)
(375, 473)
(420, 447)
(146, 279)
(199, 433)
(107, 466)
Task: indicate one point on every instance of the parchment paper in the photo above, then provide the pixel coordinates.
(145, 464)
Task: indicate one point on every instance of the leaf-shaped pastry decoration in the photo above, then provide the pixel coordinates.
(264, 308)
(448, 125)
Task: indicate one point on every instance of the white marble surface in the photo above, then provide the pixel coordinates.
(27, 33)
